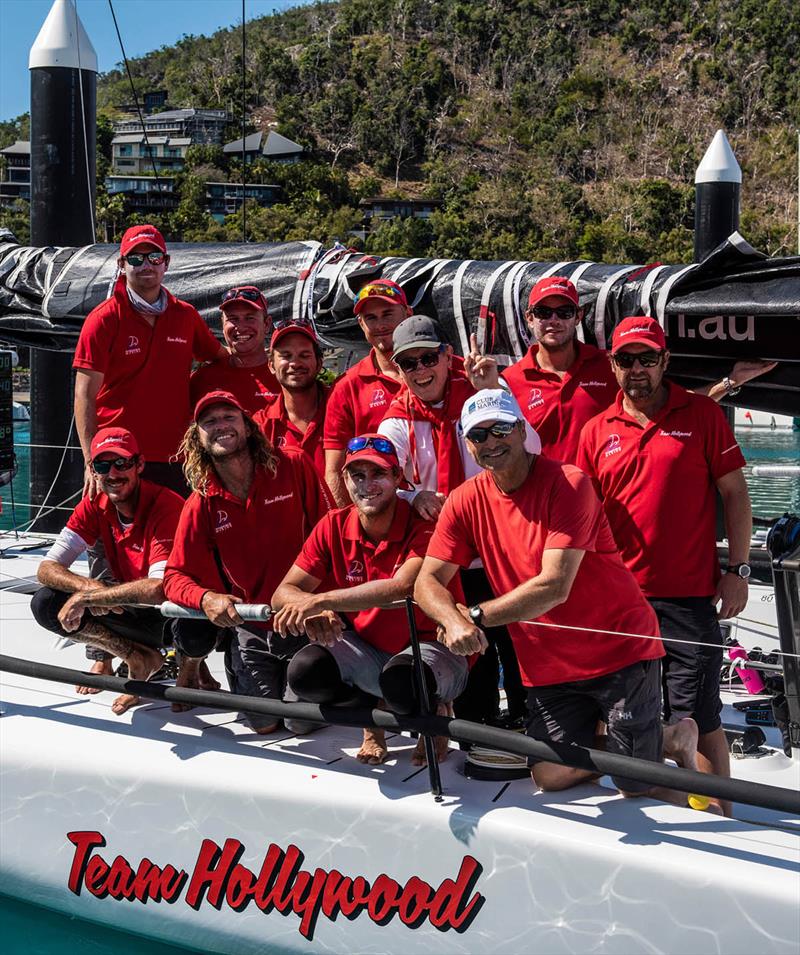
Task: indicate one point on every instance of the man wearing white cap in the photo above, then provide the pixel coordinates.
(563, 592)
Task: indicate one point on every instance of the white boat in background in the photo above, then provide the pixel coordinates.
(748, 418)
(20, 412)
(287, 843)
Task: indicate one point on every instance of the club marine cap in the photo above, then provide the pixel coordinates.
(418, 331)
(638, 330)
(553, 285)
(114, 441)
(496, 404)
(141, 235)
(216, 398)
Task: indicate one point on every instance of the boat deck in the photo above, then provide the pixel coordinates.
(583, 870)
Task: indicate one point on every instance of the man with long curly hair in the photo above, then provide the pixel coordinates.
(251, 508)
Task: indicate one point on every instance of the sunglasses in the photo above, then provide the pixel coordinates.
(382, 445)
(429, 360)
(563, 312)
(387, 291)
(247, 292)
(500, 429)
(647, 359)
(135, 259)
(121, 464)
(290, 323)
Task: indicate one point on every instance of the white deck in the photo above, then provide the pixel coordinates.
(582, 871)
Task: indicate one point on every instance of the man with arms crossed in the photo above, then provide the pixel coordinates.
(658, 456)
(370, 553)
(548, 552)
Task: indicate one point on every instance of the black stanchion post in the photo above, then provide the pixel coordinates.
(427, 709)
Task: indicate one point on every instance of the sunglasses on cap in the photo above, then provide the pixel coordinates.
(500, 429)
(247, 292)
(382, 445)
(544, 312)
(627, 359)
(135, 259)
(388, 291)
(291, 323)
(121, 464)
(429, 360)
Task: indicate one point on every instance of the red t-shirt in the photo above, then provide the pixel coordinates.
(146, 368)
(658, 489)
(281, 433)
(254, 388)
(131, 551)
(558, 408)
(254, 542)
(339, 553)
(555, 508)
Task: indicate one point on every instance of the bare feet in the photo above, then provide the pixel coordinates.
(205, 680)
(680, 742)
(142, 662)
(101, 667)
(440, 743)
(374, 749)
(188, 678)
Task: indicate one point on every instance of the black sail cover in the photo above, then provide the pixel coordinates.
(736, 304)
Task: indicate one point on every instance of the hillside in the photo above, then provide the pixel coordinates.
(548, 130)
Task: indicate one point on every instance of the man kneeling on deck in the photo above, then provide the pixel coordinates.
(251, 508)
(371, 552)
(135, 520)
(566, 596)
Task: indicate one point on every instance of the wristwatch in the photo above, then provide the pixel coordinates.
(741, 570)
(476, 615)
(730, 386)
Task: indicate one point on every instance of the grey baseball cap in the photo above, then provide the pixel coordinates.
(418, 331)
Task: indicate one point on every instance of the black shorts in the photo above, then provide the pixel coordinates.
(628, 700)
(690, 674)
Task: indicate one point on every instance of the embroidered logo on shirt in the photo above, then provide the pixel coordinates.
(535, 398)
(675, 434)
(593, 384)
(278, 497)
(355, 572)
(223, 524)
(133, 345)
(614, 445)
(378, 398)
(180, 341)
(281, 441)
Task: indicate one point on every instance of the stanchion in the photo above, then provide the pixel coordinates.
(427, 710)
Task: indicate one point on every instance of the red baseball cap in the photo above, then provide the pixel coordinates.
(216, 398)
(553, 285)
(291, 329)
(141, 235)
(247, 295)
(384, 290)
(374, 448)
(638, 330)
(114, 441)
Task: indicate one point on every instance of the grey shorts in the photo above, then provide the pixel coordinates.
(360, 665)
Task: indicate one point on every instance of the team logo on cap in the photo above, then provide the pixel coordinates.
(355, 572)
(133, 345)
(535, 398)
(614, 445)
(223, 524)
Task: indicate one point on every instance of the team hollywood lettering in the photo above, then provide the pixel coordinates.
(220, 879)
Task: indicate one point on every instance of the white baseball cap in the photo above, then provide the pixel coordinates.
(497, 404)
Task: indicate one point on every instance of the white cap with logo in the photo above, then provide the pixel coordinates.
(497, 404)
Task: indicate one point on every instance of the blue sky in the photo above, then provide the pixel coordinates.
(144, 24)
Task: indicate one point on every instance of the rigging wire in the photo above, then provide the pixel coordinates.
(244, 124)
(135, 96)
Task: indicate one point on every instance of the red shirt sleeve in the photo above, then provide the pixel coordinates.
(722, 450)
(164, 524)
(453, 540)
(420, 538)
(205, 346)
(96, 339)
(585, 457)
(317, 498)
(84, 521)
(191, 570)
(339, 417)
(575, 514)
(315, 557)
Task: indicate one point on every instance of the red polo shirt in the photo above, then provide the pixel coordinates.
(281, 433)
(557, 407)
(146, 368)
(339, 553)
(254, 542)
(131, 551)
(658, 489)
(254, 388)
(555, 508)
